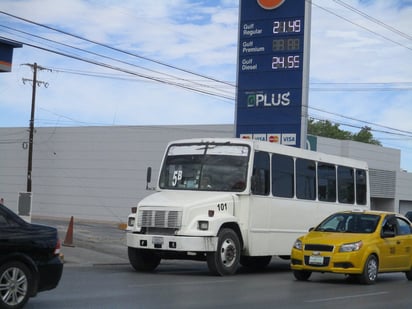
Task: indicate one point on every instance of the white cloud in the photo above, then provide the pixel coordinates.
(199, 36)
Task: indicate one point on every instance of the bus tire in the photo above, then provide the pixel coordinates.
(225, 260)
(142, 259)
(255, 262)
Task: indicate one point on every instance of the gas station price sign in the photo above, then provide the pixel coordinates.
(273, 57)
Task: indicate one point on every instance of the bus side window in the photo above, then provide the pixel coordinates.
(261, 174)
(326, 182)
(305, 179)
(346, 182)
(283, 176)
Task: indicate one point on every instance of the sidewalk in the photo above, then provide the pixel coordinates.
(92, 243)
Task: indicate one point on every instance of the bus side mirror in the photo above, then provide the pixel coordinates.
(148, 177)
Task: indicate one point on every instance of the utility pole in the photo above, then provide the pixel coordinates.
(36, 84)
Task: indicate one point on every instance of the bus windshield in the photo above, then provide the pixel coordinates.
(205, 167)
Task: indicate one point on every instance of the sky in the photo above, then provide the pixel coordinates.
(145, 62)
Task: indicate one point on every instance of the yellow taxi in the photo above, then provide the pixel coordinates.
(355, 243)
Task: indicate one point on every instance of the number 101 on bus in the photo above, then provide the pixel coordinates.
(286, 62)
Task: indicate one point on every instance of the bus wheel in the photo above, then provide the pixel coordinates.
(302, 275)
(143, 260)
(255, 262)
(225, 260)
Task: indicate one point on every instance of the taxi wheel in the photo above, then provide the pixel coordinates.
(409, 274)
(370, 270)
(302, 275)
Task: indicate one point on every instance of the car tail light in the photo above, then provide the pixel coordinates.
(58, 247)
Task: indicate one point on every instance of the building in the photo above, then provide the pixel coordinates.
(99, 173)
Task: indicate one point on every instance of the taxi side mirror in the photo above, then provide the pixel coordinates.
(388, 233)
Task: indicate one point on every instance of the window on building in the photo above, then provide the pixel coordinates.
(361, 187)
(283, 176)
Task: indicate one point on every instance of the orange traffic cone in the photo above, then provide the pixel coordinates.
(68, 241)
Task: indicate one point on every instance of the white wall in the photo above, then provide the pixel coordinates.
(99, 173)
(95, 173)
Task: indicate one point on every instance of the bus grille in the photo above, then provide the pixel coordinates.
(171, 219)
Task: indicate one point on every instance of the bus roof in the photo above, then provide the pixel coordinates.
(280, 149)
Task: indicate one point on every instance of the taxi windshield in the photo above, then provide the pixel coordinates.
(349, 223)
(205, 167)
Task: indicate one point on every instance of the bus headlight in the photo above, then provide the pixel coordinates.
(131, 221)
(203, 225)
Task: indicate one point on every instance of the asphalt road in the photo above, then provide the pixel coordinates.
(189, 285)
(97, 275)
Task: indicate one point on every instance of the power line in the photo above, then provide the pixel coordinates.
(112, 67)
(401, 132)
(112, 48)
(376, 21)
(360, 26)
(165, 80)
(196, 83)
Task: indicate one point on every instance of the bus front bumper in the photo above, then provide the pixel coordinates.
(172, 243)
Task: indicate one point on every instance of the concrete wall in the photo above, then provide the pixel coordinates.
(88, 172)
(381, 158)
(99, 173)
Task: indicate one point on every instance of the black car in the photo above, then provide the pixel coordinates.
(29, 259)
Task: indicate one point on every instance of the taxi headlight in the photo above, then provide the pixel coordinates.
(354, 246)
(298, 244)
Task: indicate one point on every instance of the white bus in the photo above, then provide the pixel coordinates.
(238, 201)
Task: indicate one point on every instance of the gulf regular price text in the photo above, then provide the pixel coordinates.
(279, 27)
(287, 26)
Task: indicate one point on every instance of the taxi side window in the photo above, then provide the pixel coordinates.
(389, 225)
(404, 227)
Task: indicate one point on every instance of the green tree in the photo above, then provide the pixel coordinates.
(326, 128)
(365, 136)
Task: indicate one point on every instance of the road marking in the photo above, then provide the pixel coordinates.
(320, 300)
(181, 283)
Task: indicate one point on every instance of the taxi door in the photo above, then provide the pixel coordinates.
(395, 245)
(389, 246)
(403, 243)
